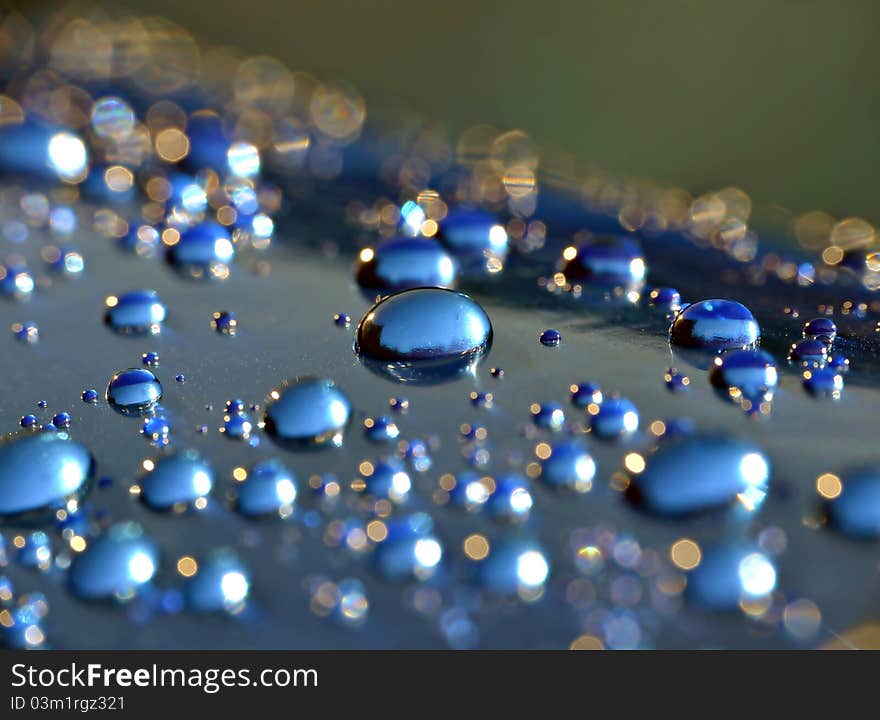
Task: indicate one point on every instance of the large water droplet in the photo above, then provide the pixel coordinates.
(568, 467)
(138, 311)
(423, 335)
(514, 567)
(133, 391)
(729, 575)
(476, 239)
(178, 479)
(404, 263)
(308, 411)
(715, 325)
(115, 564)
(753, 373)
(855, 510)
(269, 488)
(221, 583)
(41, 472)
(203, 251)
(699, 474)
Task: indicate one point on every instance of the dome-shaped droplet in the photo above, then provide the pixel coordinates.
(823, 383)
(178, 479)
(855, 509)
(40, 472)
(269, 488)
(404, 263)
(410, 549)
(511, 501)
(547, 415)
(550, 337)
(476, 239)
(751, 372)
(385, 480)
(585, 394)
(221, 583)
(610, 260)
(665, 298)
(134, 391)
(699, 474)
(203, 251)
(138, 311)
(514, 567)
(808, 353)
(616, 417)
(568, 467)
(115, 564)
(468, 490)
(820, 328)
(423, 335)
(34, 550)
(308, 411)
(715, 325)
(729, 575)
(381, 429)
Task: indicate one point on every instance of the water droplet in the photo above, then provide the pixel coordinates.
(476, 239)
(41, 471)
(511, 501)
(496, 372)
(138, 311)
(482, 399)
(823, 382)
(855, 509)
(381, 429)
(42, 404)
(424, 335)
(342, 319)
(715, 325)
(177, 479)
(35, 552)
(221, 583)
(585, 394)
(237, 426)
(269, 488)
(62, 420)
(467, 490)
(728, 575)
(610, 260)
(90, 396)
(568, 467)
(181, 378)
(514, 567)
(26, 332)
(29, 421)
(675, 381)
(404, 263)
(410, 550)
(150, 359)
(115, 565)
(133, 391)
(308, 411)
(698, 474)
(399, 404)
(225, 322)
(665, 298)
(550, 338)
(385, 480)
(808, 353)
(547, 415)
(821, 328)
(838, 363)
(616, 417)
(112, 119)
(157, 430)
(203, 251)
(753, 373)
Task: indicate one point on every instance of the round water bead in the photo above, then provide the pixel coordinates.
(133, 391)
(138, 311)
(115, 564)
(308, 411)
(181, 478)
(715, 325)
(404, 263)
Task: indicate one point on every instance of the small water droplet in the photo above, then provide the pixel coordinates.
(62, 420)
(29, 421)
(665, 298)
(399, 404)
(511, 500)
(675, 381)
(150, 359)
(609, 260)
(476, 239)
(410, 550)
(133, 391)
(269, 488)
(823, 383)
(203, 252)
(514, 567)
(225, 322)
(386, 480)
(181, 378)
(547, 415)
(381, 429)
(115, 565)
(138, 311)
(808, 353)
(404, 263)
(237, 425)
(157, 430)
(585, 394)
(177, 479)
(90, 396)
(550, 337)
(221, 583)
(616, 417)
(308, 411)
(342, 319)
(496, 372)
(753, 373)
(26, 332)
(820, 328)
(35, 552)
(568, 467)
(729, 575)
(715, 325)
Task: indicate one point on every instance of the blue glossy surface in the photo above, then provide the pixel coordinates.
(404, 263)
(715, 325)
(699, 474)
(311, 411)
(39, 471)
(133, 391)
(269, 489)
(181, 478)
(137, 311)
(115, 564)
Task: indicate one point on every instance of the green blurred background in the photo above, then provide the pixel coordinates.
(779, 97)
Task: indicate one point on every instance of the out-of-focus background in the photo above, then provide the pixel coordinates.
(778, 97)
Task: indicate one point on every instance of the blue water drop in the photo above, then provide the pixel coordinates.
(157, 430)
(855, 511)
(511, 500)
(699, 474)
(675, 381)
(115, 565)
(548, 415)
(476, 239)
(178, 479)
(342, 319)
(133, 391)
(665, 298)
(729, 575)
(839, 363)
(410, 549)
(138, 311)
(399, 404)
(269, 488)
(235, 405)
(26, 332)
(62, 420)
(514, 567)
(309, 412)
(221, 583)
(237, 426)
(584, 394)
(16, 281)
(385, 480)
(426, 335)
(615, 418)
(715, 325)
(35, 552)
(150, 359)
(181, 378)
(821, 328)
(41, 472)
(225, 322)
(203, 251)
(550, 337)
(753, 373)
(568, 467)
(808, 353)
(823, 383)
(608, 260)
(404, 263)
(29, 421)
(467, 490)
(496, 372)
(90, 396)
(381, 429)
(482, 399)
